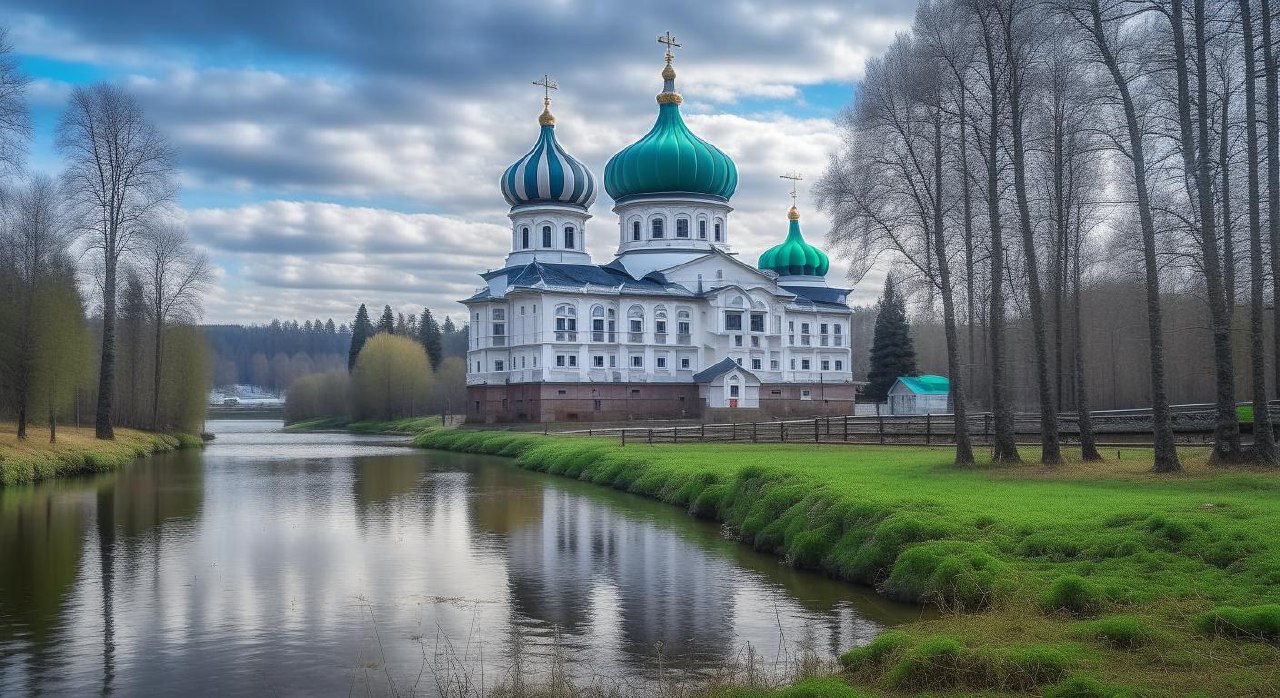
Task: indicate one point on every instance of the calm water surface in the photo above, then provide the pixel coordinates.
(322, 564)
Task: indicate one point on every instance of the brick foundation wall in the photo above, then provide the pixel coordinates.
(582, 402)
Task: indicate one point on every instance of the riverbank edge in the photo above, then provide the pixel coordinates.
(64, 460)
(411, 426)
(1026, 647)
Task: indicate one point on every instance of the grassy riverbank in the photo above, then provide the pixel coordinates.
(1082, 580)
(77, 452)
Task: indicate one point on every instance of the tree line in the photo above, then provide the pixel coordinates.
(1022, 161)
(397, 367)
(93, 261)
(274, 355)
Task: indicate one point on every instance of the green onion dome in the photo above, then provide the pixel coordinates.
(670, 159)
(795, 257)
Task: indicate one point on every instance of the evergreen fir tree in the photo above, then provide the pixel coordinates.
(387, 323)
(892, 352)
(429, 337)
(360, 331)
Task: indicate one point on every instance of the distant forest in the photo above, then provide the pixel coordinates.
(273, 355)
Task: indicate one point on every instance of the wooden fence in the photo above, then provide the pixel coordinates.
(1192, 425)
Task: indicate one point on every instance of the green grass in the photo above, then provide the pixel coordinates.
(77, 452)
(1029, 548)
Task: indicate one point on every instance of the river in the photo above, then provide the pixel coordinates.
(331, 563)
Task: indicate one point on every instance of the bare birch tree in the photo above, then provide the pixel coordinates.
(174, 276)
(120, 170)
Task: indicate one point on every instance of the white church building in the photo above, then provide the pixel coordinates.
(676, 325)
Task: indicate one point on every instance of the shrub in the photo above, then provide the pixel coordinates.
(1120, 632)
(957, 574)
(1073, 594)
(1025, 667)
(938, 662)
(1248, 623)
(876, 653)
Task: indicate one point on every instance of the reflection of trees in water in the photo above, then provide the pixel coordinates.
(380, 479)
(44, 530)
(503, 502)
(667, 588)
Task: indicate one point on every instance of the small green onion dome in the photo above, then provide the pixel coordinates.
(670, 159)
(795, 257)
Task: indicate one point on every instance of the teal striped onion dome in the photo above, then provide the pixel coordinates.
(670, 159)
(547, 174)
(795, 257)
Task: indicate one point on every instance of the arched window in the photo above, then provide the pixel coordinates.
(569, 242)
(683, 326)
(635, 231)
(597, 323)
(566, 323)
(682, 227)
(635, 323)
(719, 233)
(524, 238)
(734, 388)
(546, 236)
(702, 229)
(660, 324)
(655, 229)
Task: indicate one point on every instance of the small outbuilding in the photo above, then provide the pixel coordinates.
(726, 384)
(920, 395)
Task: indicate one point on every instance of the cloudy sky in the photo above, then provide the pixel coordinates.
(336, 152)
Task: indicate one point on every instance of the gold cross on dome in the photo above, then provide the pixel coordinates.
(547, 85)
(670, 42)
(795, 177)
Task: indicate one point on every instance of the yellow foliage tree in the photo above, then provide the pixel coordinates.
(392, 379)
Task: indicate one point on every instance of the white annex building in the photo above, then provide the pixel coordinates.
(676, 324)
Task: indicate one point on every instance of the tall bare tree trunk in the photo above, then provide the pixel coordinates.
(1195, 159)
(969, 267)
(1050, 446)
(964, 449)
(1264, 446)
(1228, 235)
(1164, 453)
(155, 375)
(107, 369)
(1004, 446)
(1270, 67)
(1088, 444)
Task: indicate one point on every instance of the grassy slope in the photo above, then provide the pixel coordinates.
(77, 452)
(1023, 554)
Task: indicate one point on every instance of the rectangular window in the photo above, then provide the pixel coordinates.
(733, 391)
(660, 326)
(702, 230)
(684, 363)
(737, 340)
(597, 361)
(546, 236)
(499, 313)
(826, 365)
(793, 364)
(637, 362)
(522, 310)
(568, 239)
(655, 229)
(635, 230)
(498, 365)
(682, 227)
(733, 321)
(839, 365)
(613, 361)
(682, 327)
(756, 364)
(757, 322)
(661, 362)
(524, 238)
(804, 364)
(560, 360)
(637, 325)
(718, 236)
(573, 360)
(595, 405)
(773, 364)
(805, 395)
(499, 329)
